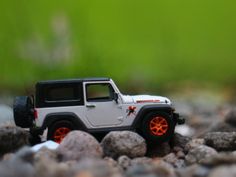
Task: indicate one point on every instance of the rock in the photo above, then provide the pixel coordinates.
(220, 126)
(141, 170)
(163, 169)
(174, 161)
(179, 140)
(221, 141)
(180, 155)
(219, 159)
(199, 153)
(229, 171)
(45, 153)
(141, 160)
(12, 138)
(158, 150)
(45, 167)
(193, 143)
(25, 154)
(118, 143)
(77, 145)
(230, 118)
(193, 171)
(16, 167)
(124, 162)
(94, 168)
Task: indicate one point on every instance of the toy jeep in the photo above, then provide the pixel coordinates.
(94, 105)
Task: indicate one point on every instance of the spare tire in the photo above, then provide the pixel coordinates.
(23, 111)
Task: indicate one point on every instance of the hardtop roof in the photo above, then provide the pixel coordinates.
(73, 80)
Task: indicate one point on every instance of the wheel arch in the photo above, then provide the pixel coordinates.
(51, 118)
(150, 108)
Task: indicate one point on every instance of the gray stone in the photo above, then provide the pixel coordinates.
(124, 162)
(16, 168)
(174, 161)
(45, 153)
(230, 118)
(77, 145)
(141, 170)
(12, 138)
(223, 171)
(158, 150)
(220, 159)
(221, 141)
(95, 168)
(199, 153)
(193, 143)
(179, 140)
(118, 143)
(163, 169)
(193, 171)
(141, 160)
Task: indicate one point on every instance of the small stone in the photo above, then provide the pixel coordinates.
(46, 153)
(220, 159)
(124, 162)
(77, 145)
(158, 150)
(12, 139)
(141, 160)
(199, 153)
(223, 171)
(89, 167)
(230, 118)
(15, 166)
(179, 140)
(174, 161)
(193, 143)
(25, 154)
(141, 170)
(193, 171)
(118, 143)
(221, 141)
(180, 155)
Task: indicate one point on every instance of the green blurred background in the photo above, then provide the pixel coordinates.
(140, 44)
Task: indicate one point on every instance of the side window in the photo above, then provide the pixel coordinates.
(63, 93)
(99, 92)
(59, 95)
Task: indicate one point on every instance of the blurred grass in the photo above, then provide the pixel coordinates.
(148, 43)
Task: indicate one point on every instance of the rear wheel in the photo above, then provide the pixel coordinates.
(158, 127)
(58, 130)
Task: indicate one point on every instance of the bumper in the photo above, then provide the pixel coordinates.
(178, 119)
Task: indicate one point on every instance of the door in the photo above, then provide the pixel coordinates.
(101, 107)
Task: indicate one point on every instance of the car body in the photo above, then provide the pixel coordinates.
(96, 105)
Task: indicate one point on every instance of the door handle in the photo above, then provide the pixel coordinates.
(90, 105)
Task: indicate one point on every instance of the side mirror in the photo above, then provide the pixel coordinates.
(116, 97)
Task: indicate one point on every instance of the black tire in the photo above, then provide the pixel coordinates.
(23, 111)
(154, 138)
(59, 125)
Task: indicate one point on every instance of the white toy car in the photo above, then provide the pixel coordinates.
(94, 105)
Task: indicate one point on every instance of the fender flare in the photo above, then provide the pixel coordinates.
(150, 108)
(68, 116)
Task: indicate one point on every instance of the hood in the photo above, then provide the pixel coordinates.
(146, 99)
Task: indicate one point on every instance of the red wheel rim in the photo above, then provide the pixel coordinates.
(60, 133)
(158, 126)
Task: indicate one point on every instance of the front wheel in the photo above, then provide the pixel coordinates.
(58, 130)
(158, 127)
